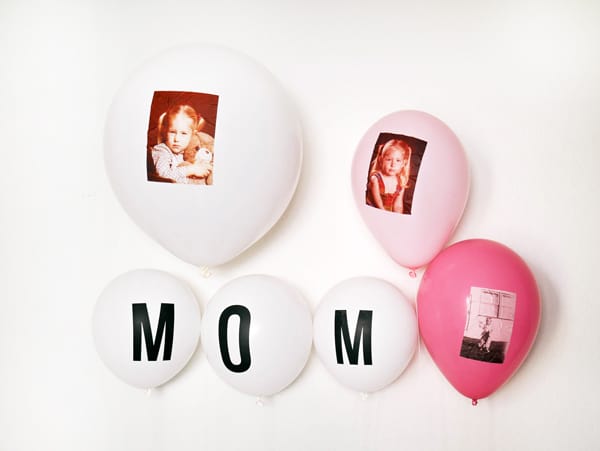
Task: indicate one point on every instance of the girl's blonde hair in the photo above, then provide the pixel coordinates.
(384, 149)
(165, 119)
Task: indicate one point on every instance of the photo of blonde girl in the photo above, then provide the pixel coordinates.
(389, 176)
(393, 171)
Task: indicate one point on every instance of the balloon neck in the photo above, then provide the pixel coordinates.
(474, 402)
(364, 396)
(412, 273)
(260, 402)
(148, 392)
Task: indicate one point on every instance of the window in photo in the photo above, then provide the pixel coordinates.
(490, 319)
(393, 172)
(181, 137)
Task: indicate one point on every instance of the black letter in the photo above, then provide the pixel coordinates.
(363, 327)
(244, 338)
(166, 323)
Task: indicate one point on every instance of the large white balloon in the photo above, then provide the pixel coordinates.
(365, 333)
(146, 326)
(257, 334)
(242, 156)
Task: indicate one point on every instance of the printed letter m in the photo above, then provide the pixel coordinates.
(363, 329)
(166, 324)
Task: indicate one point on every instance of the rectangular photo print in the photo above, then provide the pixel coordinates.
(393, 172)
(181, 137)
(490, 319)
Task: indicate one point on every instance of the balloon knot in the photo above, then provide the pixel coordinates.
(364, 396)
(205, 272)
(474, 402)
(260, 401)
(412, 274)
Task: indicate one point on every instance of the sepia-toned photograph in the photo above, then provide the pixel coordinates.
(490, 319)
(181, 137)
(393, 172)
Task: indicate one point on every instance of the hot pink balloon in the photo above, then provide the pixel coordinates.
(479, 312)
(410, 182)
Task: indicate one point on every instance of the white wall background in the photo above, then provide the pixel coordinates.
(518, 81)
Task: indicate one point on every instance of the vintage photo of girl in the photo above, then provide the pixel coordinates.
(393, 172)
(489, 325)
(181, 138)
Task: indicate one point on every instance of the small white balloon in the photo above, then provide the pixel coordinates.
(146, 326)
(257, 334)
(365, 333)
(203, 150)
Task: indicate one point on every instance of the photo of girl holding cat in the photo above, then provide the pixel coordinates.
(182, 151)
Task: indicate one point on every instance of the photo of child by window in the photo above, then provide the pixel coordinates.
(490, 318)
(181, 132)
(393, 172)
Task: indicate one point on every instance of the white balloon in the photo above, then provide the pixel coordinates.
(257, 334)
(387, 320)
(257, 154)
(127, 327)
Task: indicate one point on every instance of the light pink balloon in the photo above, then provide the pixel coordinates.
(439, 192)
(479, 311)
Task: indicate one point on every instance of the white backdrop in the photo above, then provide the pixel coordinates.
(518, 83)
